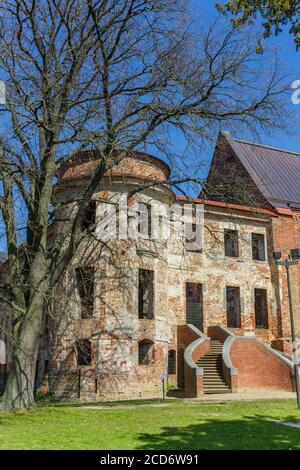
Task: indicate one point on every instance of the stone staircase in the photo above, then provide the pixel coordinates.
(213, 380)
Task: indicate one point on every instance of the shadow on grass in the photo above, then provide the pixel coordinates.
(254, 433)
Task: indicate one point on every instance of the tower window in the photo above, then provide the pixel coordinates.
(146, 293)
(145, 220)
(89, 218)
(85, 283)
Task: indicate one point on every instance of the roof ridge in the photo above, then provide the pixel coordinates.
(278, 149)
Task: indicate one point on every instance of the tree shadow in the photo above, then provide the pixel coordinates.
(253, 433)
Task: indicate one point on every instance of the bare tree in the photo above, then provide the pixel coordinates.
(110, 75)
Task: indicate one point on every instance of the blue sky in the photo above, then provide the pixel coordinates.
(290, 60)
(196, 160)
(205, 12)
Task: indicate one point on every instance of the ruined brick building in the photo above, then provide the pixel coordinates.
(214, 319)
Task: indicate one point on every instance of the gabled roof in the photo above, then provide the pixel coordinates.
(276, 172)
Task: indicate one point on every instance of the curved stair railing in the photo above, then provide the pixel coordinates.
(193, 374)
(230, 372)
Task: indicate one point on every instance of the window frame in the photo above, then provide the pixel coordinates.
(87, 302)
(263, 325)
(238, 315)
(150, 345)
(227, 231)
(260, 236)
(90, 209)
(79, 354)
(141, 314)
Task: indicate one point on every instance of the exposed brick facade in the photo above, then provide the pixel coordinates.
(115, 329)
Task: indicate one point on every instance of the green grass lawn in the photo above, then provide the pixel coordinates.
(177, 426)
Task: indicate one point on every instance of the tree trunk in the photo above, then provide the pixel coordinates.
(19, 389)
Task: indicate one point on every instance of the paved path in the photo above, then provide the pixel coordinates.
(256, 395)
(242, 396)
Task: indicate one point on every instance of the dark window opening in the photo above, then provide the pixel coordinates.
(194, 305)
(172, 362)
(258, 247)
(146, 293)
(233, 304)
(85, 283)
(89, 218)
(231, 241)
(146, 350)
(83, 352)
(261, 308)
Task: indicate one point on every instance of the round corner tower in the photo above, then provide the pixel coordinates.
(110, 334)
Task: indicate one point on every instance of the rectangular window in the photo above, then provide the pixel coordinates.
(89, 218)
(258, 247)
(146, 293)
(194, 305)
(145, 224)
(261, 308)
(146, 352)
(231, 242)
(233, 304)
(85, 283)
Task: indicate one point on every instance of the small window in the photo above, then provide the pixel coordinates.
(258, 247)
(233, 304)
(84, 352)
(146, 350)
(261, 308)
(231, 242)
(89, 218)
(85, 283)
(171, 362)
(145, 217)
(146, 293)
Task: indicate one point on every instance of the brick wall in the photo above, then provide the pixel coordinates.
(258, 368)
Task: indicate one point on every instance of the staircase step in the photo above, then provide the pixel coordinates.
(212, 364)
(214, 379)
(215, 387)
